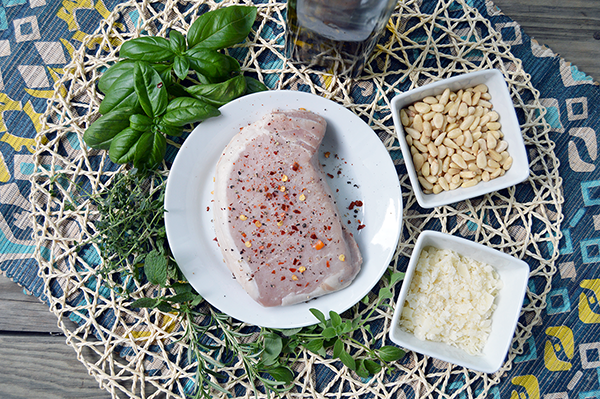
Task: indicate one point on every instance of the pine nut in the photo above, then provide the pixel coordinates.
(418, 123)
(502, 146)
(444, 183)
(469, 183)
(438, 120)
(482, 88)
(493, 125)
(433, 149)
(440, 139)
(422, 107)
(458, 159)
(455, 139)
(413, 133)
(425, 183)
(445, 96)
(404, 118)
(418, 161)
(437, 107)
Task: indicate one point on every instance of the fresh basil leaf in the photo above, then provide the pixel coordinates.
(150, 150)
(213, 65)
(121, 95)
(147, 48)
(372, 366)
(177, 90)
(164, 70)
(273, 347)
(219, 94)
(254, 85)
(122, 146)
(390, 353)
(140, 122)
(150, 89)
(155, 267)
(221, 28)
(104, 129)
(185, 110)
(281, 374)
(177, 42)
(144, 303)
(113, 73)
(170, 130)
(181, 66)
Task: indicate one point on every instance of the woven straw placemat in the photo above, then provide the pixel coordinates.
(136, 353)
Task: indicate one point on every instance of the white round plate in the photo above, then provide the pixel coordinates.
(360, 169)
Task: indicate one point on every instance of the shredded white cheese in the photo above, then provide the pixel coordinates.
(451, 300)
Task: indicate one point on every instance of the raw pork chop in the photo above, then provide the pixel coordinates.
(276, 220)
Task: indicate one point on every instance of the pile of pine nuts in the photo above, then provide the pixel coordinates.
(455, 139)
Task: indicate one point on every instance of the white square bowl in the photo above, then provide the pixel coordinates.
(513, 272)
(502, 104)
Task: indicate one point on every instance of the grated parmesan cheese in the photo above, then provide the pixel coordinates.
(451, 300)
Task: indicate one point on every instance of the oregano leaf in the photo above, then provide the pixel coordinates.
(155, 267)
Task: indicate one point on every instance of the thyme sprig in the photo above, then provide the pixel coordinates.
(131, 237)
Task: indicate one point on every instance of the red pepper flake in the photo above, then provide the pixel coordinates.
(313, 236)
(261, 247)
(295, 166)
(355, 203)
(328, 265)
(330, 175)
(273, 272)
(297, 211)
(360, 227)
(285, 207)
(306, 285)
(319, 245)
(293, 270)
(282, 278)
(207, 208)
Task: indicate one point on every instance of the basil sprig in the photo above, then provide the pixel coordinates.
(163, 85)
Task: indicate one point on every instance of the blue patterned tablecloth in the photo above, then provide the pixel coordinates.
(562, 358)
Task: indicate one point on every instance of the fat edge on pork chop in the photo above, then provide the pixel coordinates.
(275, 217)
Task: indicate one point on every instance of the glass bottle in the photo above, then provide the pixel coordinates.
(338, 35)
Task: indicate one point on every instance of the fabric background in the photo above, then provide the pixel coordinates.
(37, 39)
